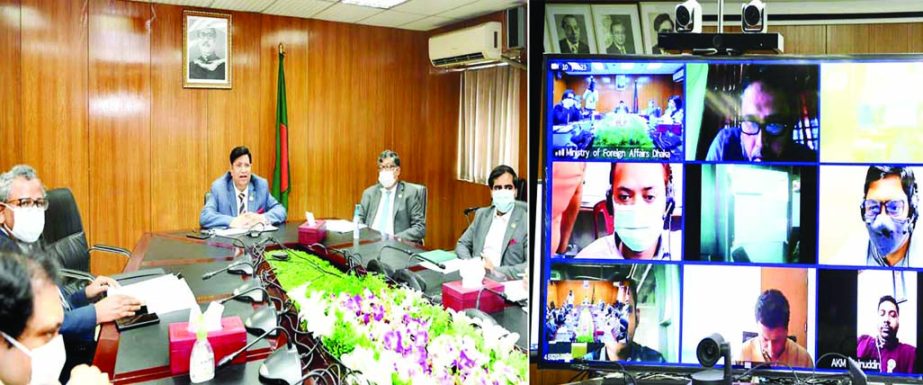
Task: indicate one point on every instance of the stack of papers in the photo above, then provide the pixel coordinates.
(341, 225)
(235, 232)
(163, 294)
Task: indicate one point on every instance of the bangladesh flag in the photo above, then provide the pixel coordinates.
(281, 185)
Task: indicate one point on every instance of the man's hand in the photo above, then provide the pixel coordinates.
(115, 307)
(243, 221)
(88, 375)
(100, 285)
(488, 265)
(257, 218)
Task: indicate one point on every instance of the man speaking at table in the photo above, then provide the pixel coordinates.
(239, 199)
(393, 206)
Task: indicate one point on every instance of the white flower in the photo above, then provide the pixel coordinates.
(363, 360)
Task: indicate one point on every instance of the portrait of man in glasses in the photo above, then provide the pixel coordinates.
(764, 130)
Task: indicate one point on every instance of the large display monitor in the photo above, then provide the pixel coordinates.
(772, 200)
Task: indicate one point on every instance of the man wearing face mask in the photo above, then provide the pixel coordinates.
(892, 355)
(765, 130)
(889, 211)
(22, 215)
(772, 343)
(566, 111)
(31, 349)
(392, 206)
(640, 200)
(619, 337)
(499, 233)
(239, 199)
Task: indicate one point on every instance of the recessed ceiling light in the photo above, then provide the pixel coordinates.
(384, 4)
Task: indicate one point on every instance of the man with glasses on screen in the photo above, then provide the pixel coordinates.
(499, 234)
(889, 211)
(772, 343)
(767, 118)
(892, 355)
(619, 334)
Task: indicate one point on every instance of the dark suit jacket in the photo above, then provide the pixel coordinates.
(80, 320)
(196, 72)
(614, 49)
(409, 209)
(515, 241)
(581, 47)
(221, 207)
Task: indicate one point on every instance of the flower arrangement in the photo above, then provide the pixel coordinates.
(392, 335)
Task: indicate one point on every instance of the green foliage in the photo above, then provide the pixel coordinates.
(631, 135)
(585, 339)
(344, 339)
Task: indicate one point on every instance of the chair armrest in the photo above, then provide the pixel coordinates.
(77, 275)
(111, 249)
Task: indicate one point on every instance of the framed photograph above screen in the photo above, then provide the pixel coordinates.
(771, 200)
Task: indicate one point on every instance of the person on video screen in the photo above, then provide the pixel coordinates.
(892, 355)
(640, 201)
(772, 343)
(889, 210)
(566, 111)
(619, 331)
(767, 118)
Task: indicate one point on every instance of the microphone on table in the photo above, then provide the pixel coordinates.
(239, 267)
(244, 292)
(253, 233)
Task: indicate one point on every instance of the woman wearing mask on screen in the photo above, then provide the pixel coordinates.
(640, 201)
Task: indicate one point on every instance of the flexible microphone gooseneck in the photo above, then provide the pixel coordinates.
(245, 291)
(232, 265)
(232, 356)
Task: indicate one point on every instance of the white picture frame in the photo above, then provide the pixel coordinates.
(627, 15)
(555, 15)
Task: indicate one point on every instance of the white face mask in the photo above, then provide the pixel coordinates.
(47, 360)
(503, 200)
(386, 178)
(29, 223)
(638, 226)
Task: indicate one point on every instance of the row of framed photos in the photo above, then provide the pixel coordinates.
(607, 29)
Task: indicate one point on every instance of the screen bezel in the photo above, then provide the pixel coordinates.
(545, 209)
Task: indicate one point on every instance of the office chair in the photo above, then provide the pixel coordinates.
(64, 238)
(600, 212)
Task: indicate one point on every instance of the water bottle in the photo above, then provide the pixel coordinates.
(202, 361)
(356, 223)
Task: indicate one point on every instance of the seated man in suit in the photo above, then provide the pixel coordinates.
(500, 233)
(239, 199)
(22, 220)
(392, 206)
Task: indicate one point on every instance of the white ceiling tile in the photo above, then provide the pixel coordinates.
(429, 23)
(431, 7)
(297, 8)
(391, 18)
(242, 5)
(479, 8)
(346, 13)
(187, 3)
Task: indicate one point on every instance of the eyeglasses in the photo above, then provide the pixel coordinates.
(388, 167)
(40, 203)
(871, 208)
(498, 187)
(751, 126)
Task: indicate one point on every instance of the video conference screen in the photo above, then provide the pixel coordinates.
(771, 200)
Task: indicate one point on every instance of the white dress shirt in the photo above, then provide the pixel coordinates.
(493, 244)
(385, 226)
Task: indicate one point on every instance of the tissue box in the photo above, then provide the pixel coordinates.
(229, 339)
(308, 235)
(458, 298)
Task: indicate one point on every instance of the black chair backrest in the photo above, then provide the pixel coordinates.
(411, 279)
(522, 189)
(63, 235)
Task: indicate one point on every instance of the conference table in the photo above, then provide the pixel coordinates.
(141, 355)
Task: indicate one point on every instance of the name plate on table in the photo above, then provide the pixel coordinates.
(226, 341)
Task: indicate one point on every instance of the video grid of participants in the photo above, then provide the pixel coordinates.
(771, 202)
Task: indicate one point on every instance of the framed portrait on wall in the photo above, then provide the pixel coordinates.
(571, 28)
(656, 17)
(206, 50)
(618, 29)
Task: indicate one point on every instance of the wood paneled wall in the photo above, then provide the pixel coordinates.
(91, 95)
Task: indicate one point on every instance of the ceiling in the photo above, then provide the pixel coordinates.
(417, 15)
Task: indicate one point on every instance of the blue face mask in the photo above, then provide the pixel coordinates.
(888, 234)
(503, 200)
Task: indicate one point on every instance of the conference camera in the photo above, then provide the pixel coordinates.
(689, 17)
(708, 352)
(753, 17)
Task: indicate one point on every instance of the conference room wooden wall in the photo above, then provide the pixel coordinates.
(804, 40)
(91, 95)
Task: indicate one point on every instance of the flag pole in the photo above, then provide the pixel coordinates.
(282, 49)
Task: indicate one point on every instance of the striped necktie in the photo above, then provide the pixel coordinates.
(243, 204)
